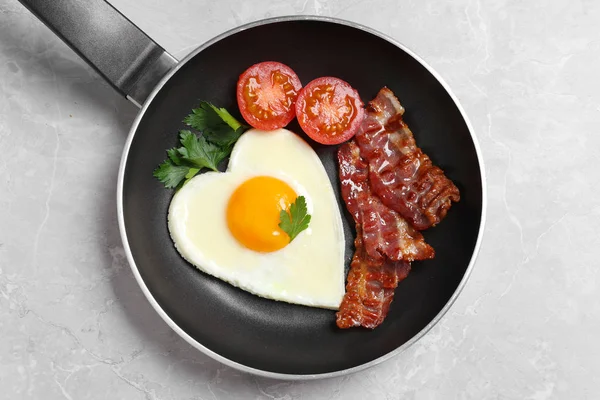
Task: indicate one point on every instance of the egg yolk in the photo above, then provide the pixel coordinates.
(253, 213)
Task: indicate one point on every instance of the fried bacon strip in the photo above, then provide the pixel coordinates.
(384, 231)
(385, 181)
(400, 174)
(370, 288)
(385, 243)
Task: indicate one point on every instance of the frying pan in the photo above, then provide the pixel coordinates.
(256, 335)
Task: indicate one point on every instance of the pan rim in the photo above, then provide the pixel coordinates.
(234, 364)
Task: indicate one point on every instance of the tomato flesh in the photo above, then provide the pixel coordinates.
(329, 110)
(266, 95)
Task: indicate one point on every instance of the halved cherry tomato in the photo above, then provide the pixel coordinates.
(329, 110)
(266, 95)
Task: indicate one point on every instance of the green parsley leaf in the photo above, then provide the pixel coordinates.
(203, 117)
(296, 219)
(219, 129)
(174, 156)
(170, 174)
(216, 124)
(191, 173)
(200, 153)
(225, 137)
(226, 117)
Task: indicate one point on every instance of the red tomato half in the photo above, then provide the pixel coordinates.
(329, 110)
(266, 95)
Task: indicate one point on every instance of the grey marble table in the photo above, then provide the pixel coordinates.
(74, 324)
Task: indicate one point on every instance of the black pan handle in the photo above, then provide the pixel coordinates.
(124, 55)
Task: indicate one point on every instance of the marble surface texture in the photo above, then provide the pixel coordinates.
(75, 325)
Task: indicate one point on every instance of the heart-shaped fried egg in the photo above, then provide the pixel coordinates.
(226, 224)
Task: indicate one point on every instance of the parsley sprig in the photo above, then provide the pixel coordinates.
(296, 219)
(219, 132)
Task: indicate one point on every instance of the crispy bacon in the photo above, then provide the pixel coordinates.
(385, 243)
(385, 181)
(400, 174)
(370, 288)
(384, 231)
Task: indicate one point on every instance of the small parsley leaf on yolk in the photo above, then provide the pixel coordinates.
(296, 219)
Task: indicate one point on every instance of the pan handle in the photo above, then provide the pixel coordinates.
(117, 49)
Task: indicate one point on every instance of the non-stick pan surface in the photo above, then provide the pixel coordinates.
(275, 338)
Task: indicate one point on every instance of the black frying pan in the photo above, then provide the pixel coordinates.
(239, 329)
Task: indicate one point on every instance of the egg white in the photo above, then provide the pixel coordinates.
(309, 270)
